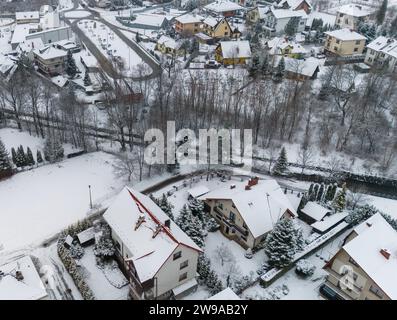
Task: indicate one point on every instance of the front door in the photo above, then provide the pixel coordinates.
(227, 230)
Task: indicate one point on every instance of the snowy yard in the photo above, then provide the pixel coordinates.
(38, 203)
(107, 284)
(112, 46)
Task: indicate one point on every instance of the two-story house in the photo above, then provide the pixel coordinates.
(169, 46)
(276, 20)
(224, 8)
(351, 15)
(284, 47)
(50, 60)
(231, 53)
(256, 14)
(247, 211)
(188, 24)
(344, 42)
(365, 267)
(217, 28)
(382, 52)
(157, 257)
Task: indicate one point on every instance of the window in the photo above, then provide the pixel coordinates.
(220, 206)
(177, 255)
(335, 48)
(118, 246)
(184, 264)
(183, 276)
(376, 291)
(337, 41)
(346, 21)
(355, 49)
(353, 262)
(232, 216)
(358, 41)
(244, 238)
(245, 226)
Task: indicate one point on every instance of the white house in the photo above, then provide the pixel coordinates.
(276, 20)
(159, 259)
(248, 210)
(382, 51)
(19, 280)
(365, 267)
(350, 15)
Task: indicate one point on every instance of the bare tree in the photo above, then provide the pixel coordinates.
(125, 165)
(305, 157)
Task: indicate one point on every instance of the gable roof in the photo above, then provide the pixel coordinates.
(148, 253)
(226, 294)
(22, 15)
(277, 44)
(345, 34)
(365, 250)
(288, 13)
(293, 4)
(49, 52)
(260, 207)
(189, 18)
(235, 49)
(385, 45)
(169, 42)
(30, 288)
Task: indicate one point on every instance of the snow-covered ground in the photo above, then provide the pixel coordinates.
(5, 21)
(111, 45)
(41, 202)
(99, 283)
(388, 206)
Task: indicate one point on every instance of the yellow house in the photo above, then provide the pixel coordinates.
(233, 52)
(283, 47)
(365, 267)
(344, 42)
(168, 45)
(256, 14)
(188, 24)
(217, 28)
(247, 211)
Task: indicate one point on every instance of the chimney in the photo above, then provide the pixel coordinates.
(232, 186)
(19, 275)
(247, 187)
(253, 181)
(156, 232)
(385, 253)
(140, 220)
(167, 223)
(369, 224)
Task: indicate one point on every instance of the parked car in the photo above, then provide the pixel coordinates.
(328, 293)
(212, 64)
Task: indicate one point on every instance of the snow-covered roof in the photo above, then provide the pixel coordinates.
(189, 18)
(223, 6)
(288, 13)
(30, 288)
(22, 30)
(155, 20)
(385, 45)
(260, 207)
(356, 10)
(198, 191)
(293, 4)
(60, 81)
(23, 15)
(315, 211)
(66, 44)
(236, 49)
(6, 64)
(345, 34)
(329, 222)
(365, 251)
(169, 42)
(226, 294)
(326, 17)
(211, 21)
(148, 253)
(277, 44)
(49, 52)
(86, 235)
(29, 45)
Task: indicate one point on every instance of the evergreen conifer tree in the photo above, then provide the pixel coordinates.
(14, 156)
(281, 244)
(166, 206)
(87, 79)
(381, 13)
(292, 26)
(281, 165)
(5, 163)
(21, 157)
(339, 202)
(29, 157)
(70, 68)
(280, 70)
(39, 157)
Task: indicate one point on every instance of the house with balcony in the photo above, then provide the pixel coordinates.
(344, 42)
(188, 24)
(50, 60)
(248, 210)
(276, 20)
(218, 28)
(351, 15)
(382, 52)
(157, 257)
(365, 267)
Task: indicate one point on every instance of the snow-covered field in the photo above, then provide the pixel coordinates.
(38, 203)
(111, 45)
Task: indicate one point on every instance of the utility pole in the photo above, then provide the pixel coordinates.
(89, 190)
